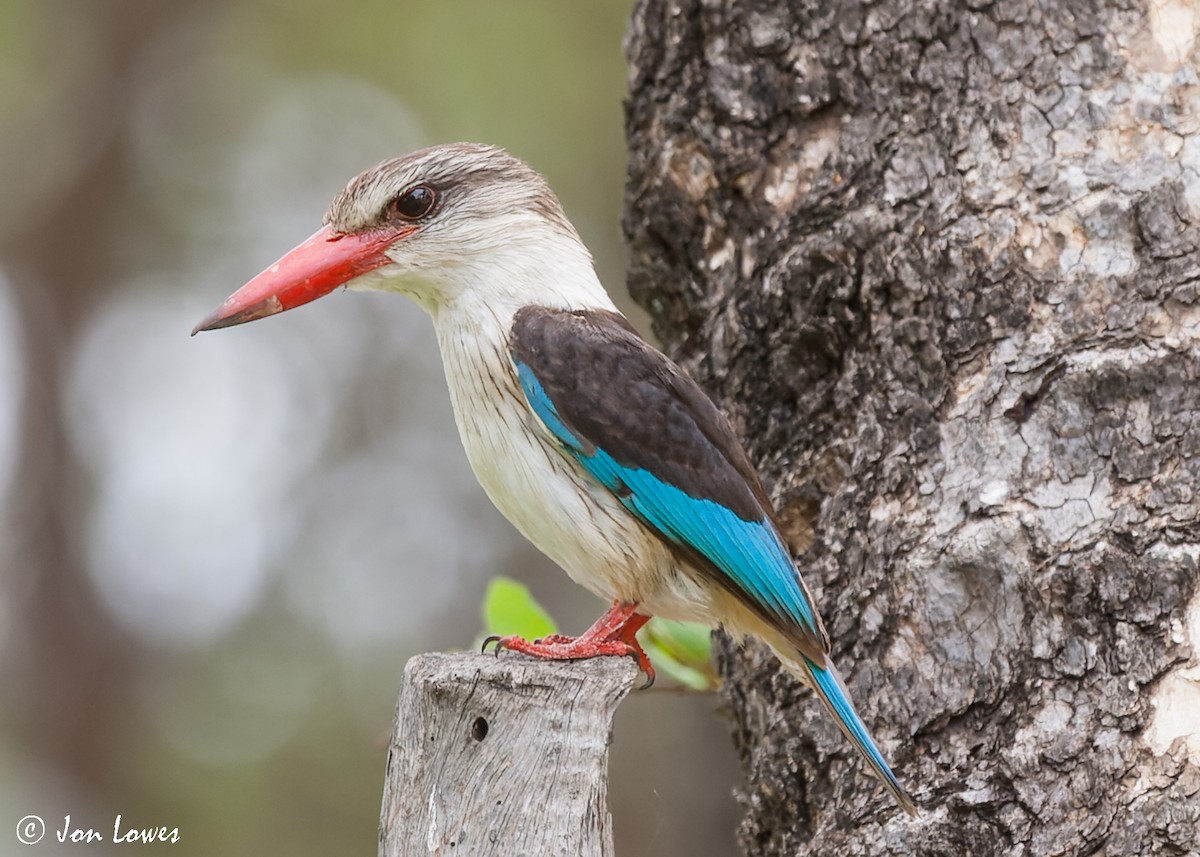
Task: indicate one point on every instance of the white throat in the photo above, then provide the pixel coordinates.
(491, 276)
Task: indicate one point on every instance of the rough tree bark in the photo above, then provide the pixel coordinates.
(938, 261)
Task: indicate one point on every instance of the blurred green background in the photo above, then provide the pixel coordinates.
(217, 553)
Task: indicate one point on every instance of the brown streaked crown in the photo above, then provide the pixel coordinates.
(468, 179)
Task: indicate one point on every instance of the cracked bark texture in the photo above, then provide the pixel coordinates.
(492, 756)
(938, 262)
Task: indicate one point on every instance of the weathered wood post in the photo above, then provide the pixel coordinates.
(501, 756)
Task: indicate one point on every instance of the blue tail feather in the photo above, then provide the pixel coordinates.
(829, 687)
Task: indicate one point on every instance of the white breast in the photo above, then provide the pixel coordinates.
(547, 496)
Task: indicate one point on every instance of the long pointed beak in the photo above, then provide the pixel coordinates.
(314, 269)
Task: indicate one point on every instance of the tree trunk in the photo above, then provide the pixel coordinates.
(939, 264)
(502, 755)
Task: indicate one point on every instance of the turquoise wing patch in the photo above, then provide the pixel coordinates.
(749, 553)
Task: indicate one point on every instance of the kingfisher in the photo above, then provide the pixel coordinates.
(597, 447)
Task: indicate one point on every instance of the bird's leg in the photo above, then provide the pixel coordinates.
(614, 633)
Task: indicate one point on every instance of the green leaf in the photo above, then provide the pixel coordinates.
(683, 651)
(508, 608)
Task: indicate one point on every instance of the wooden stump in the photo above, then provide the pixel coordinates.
(502, 755)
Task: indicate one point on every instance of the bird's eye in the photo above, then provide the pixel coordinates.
(414, 203)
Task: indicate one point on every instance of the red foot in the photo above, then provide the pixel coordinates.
(549, 639)
(614, 633)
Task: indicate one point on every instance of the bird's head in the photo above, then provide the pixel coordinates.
(434, 224)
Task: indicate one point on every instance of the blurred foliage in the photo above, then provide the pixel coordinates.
(509, 609)
(217, 553)
(683, 651)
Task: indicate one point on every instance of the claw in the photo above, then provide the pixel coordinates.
(643, 662)
(488, 640)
